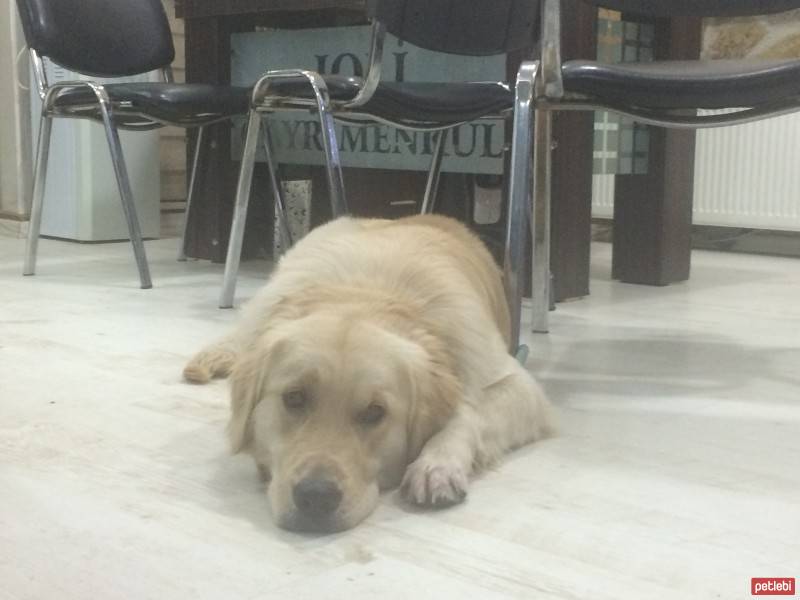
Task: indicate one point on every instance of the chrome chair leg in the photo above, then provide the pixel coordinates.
(277, 190)
(126, 194)
(540, 225)
(327, 130)
(198, 145)
(518, 198)
(39, 183)
(240, 210)
(432, 186)
(331, 148)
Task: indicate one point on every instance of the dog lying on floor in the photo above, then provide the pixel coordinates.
(375, 357)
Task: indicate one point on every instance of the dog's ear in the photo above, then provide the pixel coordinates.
(247, 380)
(249, 370)
(437, 394)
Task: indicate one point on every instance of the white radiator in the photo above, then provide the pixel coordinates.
(745, 176)
(602, 196)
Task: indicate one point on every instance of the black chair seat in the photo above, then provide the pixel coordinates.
(441, 103)
(175, 104)
(410, 102)
(690, 84)
(340, 87)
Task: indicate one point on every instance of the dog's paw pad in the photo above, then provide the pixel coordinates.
(434, 485)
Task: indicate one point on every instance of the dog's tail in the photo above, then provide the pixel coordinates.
(214, 361)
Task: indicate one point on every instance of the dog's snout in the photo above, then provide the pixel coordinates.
(317, 497)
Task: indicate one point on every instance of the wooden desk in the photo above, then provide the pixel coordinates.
(209, 26)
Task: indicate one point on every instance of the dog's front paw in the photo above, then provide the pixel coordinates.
(434, 483)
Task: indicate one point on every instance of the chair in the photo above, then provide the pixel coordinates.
(114, 38)
(662, 93)
(473, 27)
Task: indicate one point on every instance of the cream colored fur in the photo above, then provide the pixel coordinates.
(407, 314)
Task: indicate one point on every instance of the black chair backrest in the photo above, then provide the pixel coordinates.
(105, 38)
(467, 27)
(697, 8)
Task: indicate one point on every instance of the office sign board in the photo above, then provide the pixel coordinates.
(473, 148)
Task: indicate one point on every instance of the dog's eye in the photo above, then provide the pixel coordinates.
(372, 415)
(294, 400)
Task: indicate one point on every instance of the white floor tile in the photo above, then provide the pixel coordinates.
(676, 474)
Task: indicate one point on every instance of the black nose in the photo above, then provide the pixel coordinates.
(317, 497)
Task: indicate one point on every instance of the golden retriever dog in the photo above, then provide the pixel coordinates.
(375, 357)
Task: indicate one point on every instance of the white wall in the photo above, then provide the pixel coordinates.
(15, 136)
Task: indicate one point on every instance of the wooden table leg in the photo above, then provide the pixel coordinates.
(571, 178)
(208, 53)
(571, 187)
(653, 212)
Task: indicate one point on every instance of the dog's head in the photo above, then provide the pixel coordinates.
(337, 405)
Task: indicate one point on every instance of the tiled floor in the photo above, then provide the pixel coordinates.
(677, 473)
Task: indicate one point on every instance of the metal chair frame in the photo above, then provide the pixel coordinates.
(134, 121)
(262, 103)
(550, 96)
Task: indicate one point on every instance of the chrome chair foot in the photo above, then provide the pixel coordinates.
(39, 181)
(245, 184)
(125, 191)
(519, 192)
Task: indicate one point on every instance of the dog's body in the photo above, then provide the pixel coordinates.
(376, 354)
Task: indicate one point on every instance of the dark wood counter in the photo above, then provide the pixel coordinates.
(209, 25)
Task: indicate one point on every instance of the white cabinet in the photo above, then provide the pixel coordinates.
(81, 199)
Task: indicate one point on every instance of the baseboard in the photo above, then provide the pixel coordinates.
(747, 241)
(725, 239)
(13, 228)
